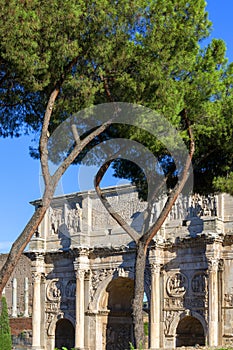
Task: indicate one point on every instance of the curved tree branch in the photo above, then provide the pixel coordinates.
(99, 176)
(148, 236)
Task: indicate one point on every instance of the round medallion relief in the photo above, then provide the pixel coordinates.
(177, 284)
(70, 289)
(54, 289)
(199, 283)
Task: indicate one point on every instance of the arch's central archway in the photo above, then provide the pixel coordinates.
(64, 335)
(190, 332)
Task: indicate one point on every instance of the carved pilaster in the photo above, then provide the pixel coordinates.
(155, 306)
(36, 315)
(81, 266)
(213, 265)
(79, 327)
(37, 273)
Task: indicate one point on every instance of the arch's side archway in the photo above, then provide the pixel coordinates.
(64, 334)
(190, 332)
(119, 327)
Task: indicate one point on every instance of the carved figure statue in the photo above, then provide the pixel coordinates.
(74, 218)
(55, 220)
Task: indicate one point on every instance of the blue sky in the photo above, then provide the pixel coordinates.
(19, 176)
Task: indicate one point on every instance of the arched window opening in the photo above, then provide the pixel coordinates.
(190, 332)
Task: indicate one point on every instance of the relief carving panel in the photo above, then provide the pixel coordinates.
(177, 284)
(54, 290)
(199, 283)
(70, 289)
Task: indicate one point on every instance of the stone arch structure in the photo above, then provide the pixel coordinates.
(188, 329)
(60, 316)
(99, 307)
(52, 327)
(96, 303)
(64, 334)
(189, 332)
(102, 254)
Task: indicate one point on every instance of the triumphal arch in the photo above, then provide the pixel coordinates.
(83, 273)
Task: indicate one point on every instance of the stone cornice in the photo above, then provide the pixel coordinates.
(90, 193)
(187, 241)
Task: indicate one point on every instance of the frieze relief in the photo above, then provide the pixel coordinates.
(202, 206)
(185, 303)
(66, 219)
(52, 307)
(196, 303)
(187, 207)
(169, 317)
(171, 303)
(126, 207)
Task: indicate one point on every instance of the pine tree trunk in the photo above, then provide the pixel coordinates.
(140, 264)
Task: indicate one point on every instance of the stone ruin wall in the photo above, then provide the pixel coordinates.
(20, 322)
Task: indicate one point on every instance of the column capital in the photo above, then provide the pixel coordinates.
(81, 263)
(36, 277)
(213, 264)
(80, 274)
(155, 267)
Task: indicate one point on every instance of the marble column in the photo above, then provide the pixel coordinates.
(79, 326)
(213, 302)
(155, 307)
(36, 313)
(26, 314)
(14, 297)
